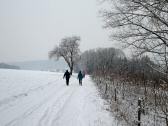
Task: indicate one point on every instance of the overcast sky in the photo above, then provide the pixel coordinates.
(29, 29)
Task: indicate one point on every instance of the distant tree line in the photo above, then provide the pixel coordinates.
(7, 66)
(111, 61)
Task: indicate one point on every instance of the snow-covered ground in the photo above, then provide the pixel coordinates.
(35, 98)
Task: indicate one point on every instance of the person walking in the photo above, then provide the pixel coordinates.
(80, 77)
(67, 76)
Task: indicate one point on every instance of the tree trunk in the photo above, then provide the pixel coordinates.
(166, 121)
(105, 89)
(115, 94)
(71, 69)
(139, 112)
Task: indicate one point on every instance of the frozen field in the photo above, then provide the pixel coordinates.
(35, 98)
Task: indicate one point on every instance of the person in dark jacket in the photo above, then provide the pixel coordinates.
(67, 76)
(80, 77)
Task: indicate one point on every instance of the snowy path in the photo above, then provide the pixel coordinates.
(29, 98)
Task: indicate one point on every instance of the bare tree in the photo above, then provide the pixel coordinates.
(142, 24)
(68, 49)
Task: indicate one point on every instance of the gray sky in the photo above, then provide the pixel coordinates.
(29, 29)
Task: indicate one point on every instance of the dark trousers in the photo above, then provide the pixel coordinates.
(80, 82)
(67, 81)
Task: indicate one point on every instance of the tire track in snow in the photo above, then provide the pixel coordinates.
(11, 99)
(78, 101)
(34, 108)
(46, 116)
(57, 107)
(42, 119)
(60, 112)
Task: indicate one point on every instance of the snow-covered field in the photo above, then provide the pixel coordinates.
(35, 98)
